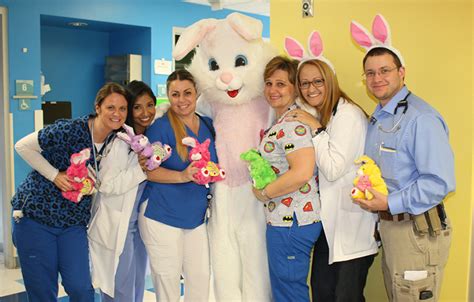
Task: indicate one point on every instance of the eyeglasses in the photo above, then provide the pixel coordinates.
(315, 82)
(383, 72)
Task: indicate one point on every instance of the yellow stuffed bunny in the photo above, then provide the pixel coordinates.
(368, 176)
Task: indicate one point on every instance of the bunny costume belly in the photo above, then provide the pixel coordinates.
(237, 224)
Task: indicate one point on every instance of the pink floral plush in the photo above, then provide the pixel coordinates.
(201, 157)
(79, 177)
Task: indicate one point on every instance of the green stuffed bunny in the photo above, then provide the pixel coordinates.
(260, 170)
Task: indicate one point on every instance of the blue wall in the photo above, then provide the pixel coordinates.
(134, 41)
(72, 61)
(24, 31)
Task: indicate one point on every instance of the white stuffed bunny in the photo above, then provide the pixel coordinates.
(228, 67)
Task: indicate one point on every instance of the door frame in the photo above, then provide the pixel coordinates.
(6, 144)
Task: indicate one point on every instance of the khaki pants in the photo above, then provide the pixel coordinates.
(405, 250)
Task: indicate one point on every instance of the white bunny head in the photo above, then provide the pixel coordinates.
(315, 47)
(229, 62)
(380, 37)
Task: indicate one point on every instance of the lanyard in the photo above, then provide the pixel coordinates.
(98, 155)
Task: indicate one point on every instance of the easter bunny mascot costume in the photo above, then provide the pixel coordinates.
(228, 67)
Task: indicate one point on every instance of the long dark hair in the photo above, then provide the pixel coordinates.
(136, 89)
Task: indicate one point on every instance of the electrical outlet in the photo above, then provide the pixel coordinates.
(307, 7)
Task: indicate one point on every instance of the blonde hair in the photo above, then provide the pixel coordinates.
(178, 126)
(333, 91)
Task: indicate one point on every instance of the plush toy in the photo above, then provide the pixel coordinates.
(260, 170)
(79, 177)
(368, 176)
(156, 152)
(200, 155)
(228, 68)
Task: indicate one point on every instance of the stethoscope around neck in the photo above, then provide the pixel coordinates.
(402, 104)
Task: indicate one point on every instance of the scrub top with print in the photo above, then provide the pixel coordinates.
(281, 139)
(40, 199)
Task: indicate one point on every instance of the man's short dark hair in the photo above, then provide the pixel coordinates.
(380, 51)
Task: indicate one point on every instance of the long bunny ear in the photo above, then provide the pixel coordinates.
(192, 36)
(361, 35)
(189, 141)
(381, 30)
(380, 37)
(249, 28)
(294, 48)
(86, 153)
(315, 44)
(128, 129)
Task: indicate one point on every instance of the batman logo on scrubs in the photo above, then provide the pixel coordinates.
(288, 218)
(289, 147)
(273, 133)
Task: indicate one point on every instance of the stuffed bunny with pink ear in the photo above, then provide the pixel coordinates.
(156, 152)
(79, 177)
(201, 157)
(315, 46)
(380, 37)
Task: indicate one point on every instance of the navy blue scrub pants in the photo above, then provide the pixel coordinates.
(46, 251)
(289, 250)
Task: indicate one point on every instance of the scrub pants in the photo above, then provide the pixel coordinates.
(174, 252)
(289, 250)
(44, 252)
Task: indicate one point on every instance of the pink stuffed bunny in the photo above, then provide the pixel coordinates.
(156, 152)
(200, 155)
(79, 177)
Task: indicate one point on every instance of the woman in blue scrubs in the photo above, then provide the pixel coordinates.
(50, 230)
(173, 224)
(291, 202)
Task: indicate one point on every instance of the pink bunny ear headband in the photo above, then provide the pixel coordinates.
(315, 47)
(380, 37)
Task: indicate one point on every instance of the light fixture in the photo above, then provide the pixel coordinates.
(77, 24)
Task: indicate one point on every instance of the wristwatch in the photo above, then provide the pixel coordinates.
(318, 130)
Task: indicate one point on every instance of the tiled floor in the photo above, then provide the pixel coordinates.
(13, 290)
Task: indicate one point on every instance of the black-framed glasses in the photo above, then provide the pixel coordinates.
(383, 72)
(317, 82)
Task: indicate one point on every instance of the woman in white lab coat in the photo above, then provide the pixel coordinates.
(346, 248)
(117, 252)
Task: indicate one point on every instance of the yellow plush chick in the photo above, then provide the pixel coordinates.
(368, 176)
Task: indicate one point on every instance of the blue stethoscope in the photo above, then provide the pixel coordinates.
(402, 104)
